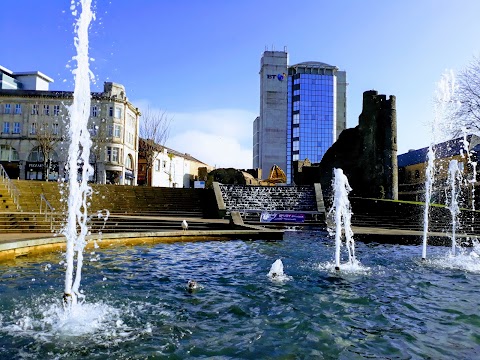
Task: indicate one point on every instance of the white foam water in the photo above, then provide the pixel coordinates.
(464, 259)
(45, 320)
(354, 267)
(276, 272)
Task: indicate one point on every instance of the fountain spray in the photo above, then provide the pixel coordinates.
(78, 158)
(429, 180)
(443, 95)
(455, 180)
(342, 210)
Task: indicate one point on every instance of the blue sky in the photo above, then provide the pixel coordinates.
(199, 60)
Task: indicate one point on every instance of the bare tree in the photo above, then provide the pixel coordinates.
(100, 138)
(170, 173)
(465, 105)
(47, 133)
(154, 131)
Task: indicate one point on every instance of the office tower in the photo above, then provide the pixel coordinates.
(302, 112)
(270, 142)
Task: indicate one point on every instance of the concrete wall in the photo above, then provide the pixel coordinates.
(272, 126)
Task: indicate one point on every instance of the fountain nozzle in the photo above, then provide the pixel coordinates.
(67, 298)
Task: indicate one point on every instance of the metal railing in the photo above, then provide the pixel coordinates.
(12, 190)
(47, 208)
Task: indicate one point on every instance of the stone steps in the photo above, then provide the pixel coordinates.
(118, 199)
(34, 222)
(409, 216)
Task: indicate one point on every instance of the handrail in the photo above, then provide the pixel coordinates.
(48, 209)
(12, 190)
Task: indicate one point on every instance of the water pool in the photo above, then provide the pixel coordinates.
(137, 305)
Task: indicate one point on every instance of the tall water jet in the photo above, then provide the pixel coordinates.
(443, 95)
(454, 181)
(78, 158)
(467, 152)
(429, 180)
(342, 215)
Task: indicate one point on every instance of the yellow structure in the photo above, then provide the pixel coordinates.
(277, 176)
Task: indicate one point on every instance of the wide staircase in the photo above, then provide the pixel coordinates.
(130, 208)
(404, 215)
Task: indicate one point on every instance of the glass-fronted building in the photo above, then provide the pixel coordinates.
(316, 111)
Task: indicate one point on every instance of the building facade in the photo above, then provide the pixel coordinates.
(412, 168)
(302, 112)
(171, 168)
(34, 124)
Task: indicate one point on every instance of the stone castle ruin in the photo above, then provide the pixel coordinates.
(367, 153)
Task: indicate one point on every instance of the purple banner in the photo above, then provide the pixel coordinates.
(282, 217)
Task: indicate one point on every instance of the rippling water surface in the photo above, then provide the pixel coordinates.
(137, 306)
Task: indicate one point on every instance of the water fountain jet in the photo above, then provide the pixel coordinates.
(78, 159)
(342, 215)
(444, 93)
(454, 180)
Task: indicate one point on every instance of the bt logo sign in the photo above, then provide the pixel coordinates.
(280, 77)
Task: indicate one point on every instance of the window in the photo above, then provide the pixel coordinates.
(16, 128)
(18, 109)
(110, 130)
(296, 132)
(112, 154)
(130, 138)
(55, 129)
(118, 113)
(34, 109)
(296, 118)
(35, 155)
(6, 127)
(157, 165)
(110, 111)
(56, 110)
(6, 109)
(33, 128)
(115, 154)
(93, 130)
(94, 111)
(7, 153)
(46, 110)
(129, 162)
(117, 130)
(131, 120)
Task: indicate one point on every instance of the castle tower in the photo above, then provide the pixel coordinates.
(378, 125)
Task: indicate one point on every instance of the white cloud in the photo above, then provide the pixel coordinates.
(214, 150)
(218, 137)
